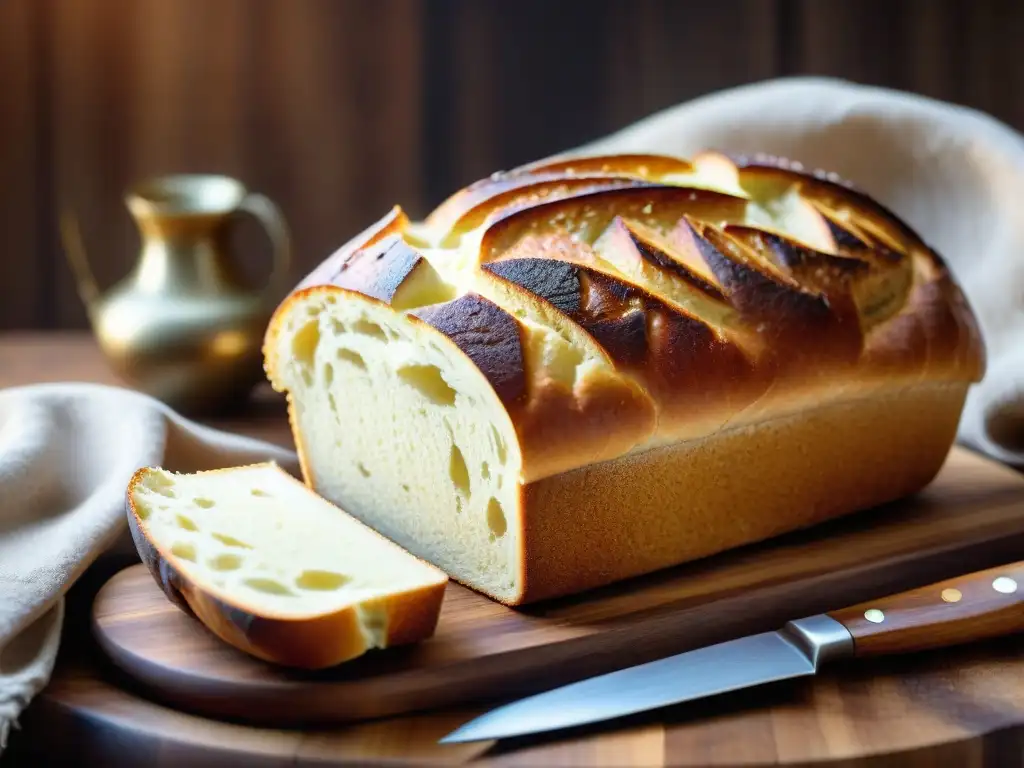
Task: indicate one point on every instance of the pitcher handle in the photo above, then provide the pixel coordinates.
(263, 209)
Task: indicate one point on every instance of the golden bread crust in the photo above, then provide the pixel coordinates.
(394, 221)
(695, 498)
(740, 318)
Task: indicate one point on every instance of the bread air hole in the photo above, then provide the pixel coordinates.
(304, 343)
(427, 379)
(204, 503)
(328, 374)
(369, 328)
(184, 551)
(260, 492)
(459, 472)
(323, 581)
(351, 357)
(499, 445)
(268, 586)
(485, 471)
(362, 469)
(332, 403)
(226, 562)
(337, 327)
(186, 523)
(496, 518)
(143, 510)
(156, 480)
(230, 541)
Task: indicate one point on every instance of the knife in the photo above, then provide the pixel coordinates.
(977, 606)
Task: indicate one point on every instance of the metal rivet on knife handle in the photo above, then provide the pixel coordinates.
(1005, 585)
(972, 607)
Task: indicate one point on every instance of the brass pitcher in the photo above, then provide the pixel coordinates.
(181, 326)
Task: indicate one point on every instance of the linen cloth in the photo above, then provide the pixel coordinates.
(67, 452)
(955, 175)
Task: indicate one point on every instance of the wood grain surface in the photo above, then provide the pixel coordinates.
(337, 109)
(960, 707)
(971, 517)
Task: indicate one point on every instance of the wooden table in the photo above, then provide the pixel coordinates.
(34, 358)
(945, 708)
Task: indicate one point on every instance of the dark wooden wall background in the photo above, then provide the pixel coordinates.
(339, 108)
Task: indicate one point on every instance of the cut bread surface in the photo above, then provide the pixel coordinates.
(251, 545)
(397, 420)
(562, 320)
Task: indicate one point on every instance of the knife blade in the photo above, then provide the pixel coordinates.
(973, 607)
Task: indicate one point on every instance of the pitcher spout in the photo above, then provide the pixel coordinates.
(74, 248)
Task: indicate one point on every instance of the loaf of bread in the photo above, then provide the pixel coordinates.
(587, 369)
(277, 571)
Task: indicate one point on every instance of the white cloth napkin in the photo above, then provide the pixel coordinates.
(67, 452)
(954, 174)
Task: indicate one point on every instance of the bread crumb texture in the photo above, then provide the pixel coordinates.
(258, 540)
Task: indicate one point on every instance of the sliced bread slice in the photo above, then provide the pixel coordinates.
(277, 571)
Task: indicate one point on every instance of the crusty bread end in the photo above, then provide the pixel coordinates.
(275, 570)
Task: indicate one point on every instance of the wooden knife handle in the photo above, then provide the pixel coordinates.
(972, 607)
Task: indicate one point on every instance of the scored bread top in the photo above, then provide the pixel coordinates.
(617, 302)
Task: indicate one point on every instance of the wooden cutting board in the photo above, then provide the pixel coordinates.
(960, 707)
(971, 517)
